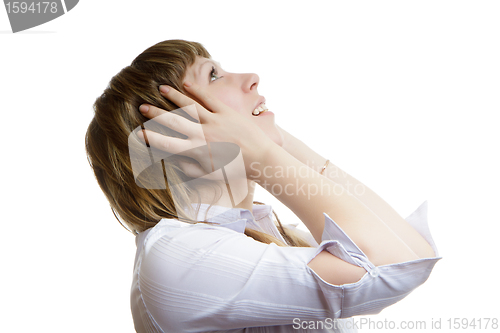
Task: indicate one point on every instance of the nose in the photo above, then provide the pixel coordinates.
(250, 82)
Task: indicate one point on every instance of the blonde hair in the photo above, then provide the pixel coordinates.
(116, 116)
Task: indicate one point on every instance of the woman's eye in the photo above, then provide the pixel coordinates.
(213, 75)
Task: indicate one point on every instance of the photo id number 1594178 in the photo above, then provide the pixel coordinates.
(32, 7)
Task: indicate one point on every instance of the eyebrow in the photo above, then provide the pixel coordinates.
(203, 64)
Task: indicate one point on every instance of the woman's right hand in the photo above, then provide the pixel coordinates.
(217, 124)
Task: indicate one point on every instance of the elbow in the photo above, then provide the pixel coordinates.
(426, 252)
(335, 271)
(387, 286)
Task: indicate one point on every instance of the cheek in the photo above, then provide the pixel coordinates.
(231, 98)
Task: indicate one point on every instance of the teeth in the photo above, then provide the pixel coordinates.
(258, 110)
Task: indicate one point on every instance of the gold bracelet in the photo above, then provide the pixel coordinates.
(324, 167)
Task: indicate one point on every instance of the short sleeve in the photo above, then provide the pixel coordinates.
(206, 278)
(384, 285)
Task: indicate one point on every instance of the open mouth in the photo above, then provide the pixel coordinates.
(260, 109)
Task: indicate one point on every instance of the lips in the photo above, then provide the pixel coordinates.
(260, 109)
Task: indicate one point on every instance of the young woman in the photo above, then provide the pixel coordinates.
(209, 259)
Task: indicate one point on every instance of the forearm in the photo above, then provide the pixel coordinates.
(302, 152)
(315, 161)
(362, 192)
(382, 209)
(309, 195)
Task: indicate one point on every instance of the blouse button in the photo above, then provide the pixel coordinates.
(375, 272)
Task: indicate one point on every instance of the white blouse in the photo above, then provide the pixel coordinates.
(213, 278)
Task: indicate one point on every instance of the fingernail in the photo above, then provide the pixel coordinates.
(187, 84)
(164, 89)
(144, 108)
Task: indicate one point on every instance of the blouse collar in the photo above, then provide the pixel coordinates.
(237, 219)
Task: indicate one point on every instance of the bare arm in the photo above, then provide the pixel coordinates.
(369, 198)
(309, 195)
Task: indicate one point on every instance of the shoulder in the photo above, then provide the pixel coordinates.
(172, 234)
(178, 246)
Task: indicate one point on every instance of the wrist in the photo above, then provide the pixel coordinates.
(302, 152)
(258, 156)
(288, 140)
(263, 159)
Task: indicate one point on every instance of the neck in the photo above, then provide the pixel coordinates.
(241, 196)
(247, 203)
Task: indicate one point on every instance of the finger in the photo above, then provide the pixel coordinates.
(183, 101)
(164, 143)
(171, 120)
(209, 101)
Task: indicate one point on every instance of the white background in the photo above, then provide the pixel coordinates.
(404, 95)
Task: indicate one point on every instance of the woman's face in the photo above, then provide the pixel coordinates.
(238, 91)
